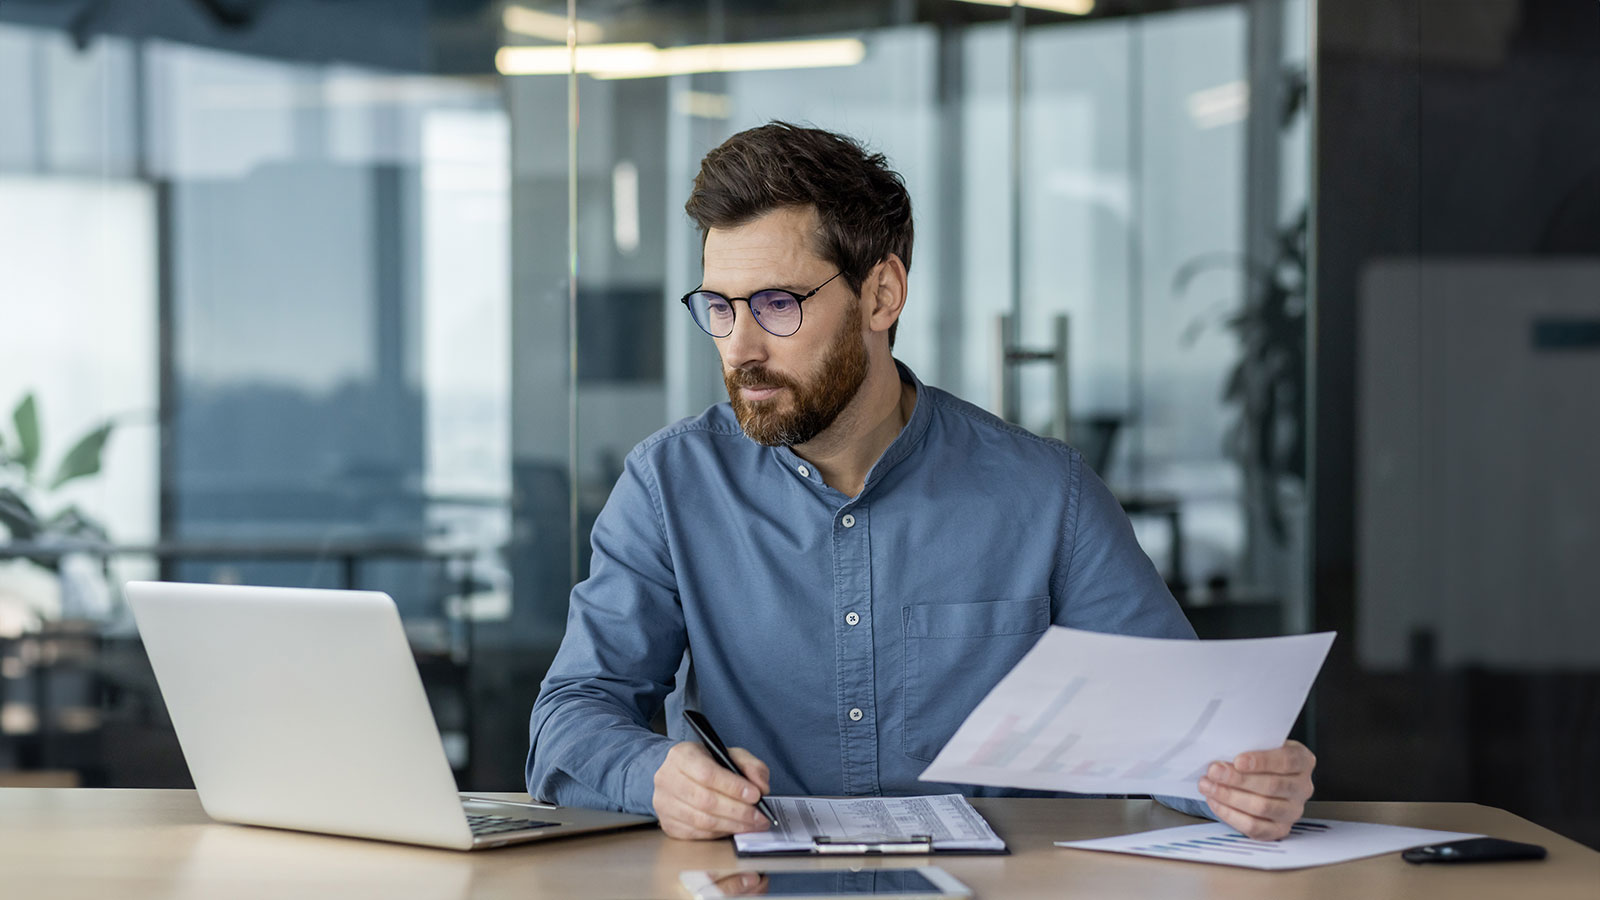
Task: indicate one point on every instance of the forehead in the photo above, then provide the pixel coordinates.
(777, 247)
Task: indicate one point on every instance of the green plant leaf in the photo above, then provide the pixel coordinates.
(26, 420)
(17, 516)
(84, 457)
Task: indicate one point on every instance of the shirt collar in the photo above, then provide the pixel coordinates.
(902, 445)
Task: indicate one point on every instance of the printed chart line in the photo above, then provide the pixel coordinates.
(1156, 768)
(1007, 741)
(1232, 842)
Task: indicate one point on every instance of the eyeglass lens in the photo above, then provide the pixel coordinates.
(776, 311)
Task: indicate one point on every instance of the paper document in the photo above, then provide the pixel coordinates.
(949, 819)
(1311, 842)
(1110, 714)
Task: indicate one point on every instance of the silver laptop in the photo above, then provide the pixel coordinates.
(303, 709)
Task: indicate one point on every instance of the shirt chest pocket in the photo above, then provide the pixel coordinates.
(956, 652)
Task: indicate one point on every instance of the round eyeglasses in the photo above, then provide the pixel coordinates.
(776, 310)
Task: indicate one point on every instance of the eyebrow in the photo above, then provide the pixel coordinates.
(789, 286)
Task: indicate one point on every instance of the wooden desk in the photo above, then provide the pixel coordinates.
(134, 844)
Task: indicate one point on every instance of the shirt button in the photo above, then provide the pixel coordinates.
(855, 715)
(852, 619)
(804, 472)
(849, 521)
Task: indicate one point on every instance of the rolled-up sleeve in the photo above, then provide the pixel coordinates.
(590, 740)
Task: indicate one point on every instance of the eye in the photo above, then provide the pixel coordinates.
(719, 307)
(776, 302)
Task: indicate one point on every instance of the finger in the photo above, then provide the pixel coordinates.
(1290, 759)
(740, 884)
(743, 815)
(1289, 787)
(690, 810)
(1292, 788)
(755, 771)
(698, 822)
(704, 770)
(695, 810)
(675, 827)
(1251, 826)
(1276, 809)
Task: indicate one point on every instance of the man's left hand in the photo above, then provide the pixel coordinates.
(1263, 792)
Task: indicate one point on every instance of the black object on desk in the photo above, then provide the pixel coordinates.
(719, 752)
(1483, 849)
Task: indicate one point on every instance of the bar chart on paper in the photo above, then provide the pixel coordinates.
(1097, 713)
(1310, 842)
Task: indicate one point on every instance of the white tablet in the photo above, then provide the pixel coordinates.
(924, 883)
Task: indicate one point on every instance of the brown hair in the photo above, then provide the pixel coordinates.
(862, 204)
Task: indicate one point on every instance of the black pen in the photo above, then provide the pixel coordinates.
(719, 752)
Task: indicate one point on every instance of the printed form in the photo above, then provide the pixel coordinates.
(948, 818)
(1110, 714)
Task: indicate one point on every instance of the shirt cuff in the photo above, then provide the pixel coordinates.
(1188, 806)
(639, 778)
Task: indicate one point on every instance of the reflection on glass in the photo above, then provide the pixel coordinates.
(345, 296)
(285, 282)
(1134, 166)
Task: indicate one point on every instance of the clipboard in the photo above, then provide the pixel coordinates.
(874, 845)
(850, 826)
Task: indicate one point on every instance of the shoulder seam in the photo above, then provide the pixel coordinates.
(657, 506)
(966, 410)
(1075, 499)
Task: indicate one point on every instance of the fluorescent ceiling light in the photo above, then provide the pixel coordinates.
(1070, 7)
(549, 26)
(650, 61)
(590, 58)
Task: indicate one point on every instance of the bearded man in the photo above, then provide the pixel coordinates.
(841, 561)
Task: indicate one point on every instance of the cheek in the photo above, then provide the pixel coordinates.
(804, 364)
(791, 359)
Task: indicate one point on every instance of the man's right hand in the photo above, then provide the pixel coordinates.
(696, 799)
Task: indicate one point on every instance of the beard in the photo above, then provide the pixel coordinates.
(815, 406)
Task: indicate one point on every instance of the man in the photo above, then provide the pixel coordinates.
(842, 559)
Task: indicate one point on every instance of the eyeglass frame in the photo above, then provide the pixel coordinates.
(799, 300)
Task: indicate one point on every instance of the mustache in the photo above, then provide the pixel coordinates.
(757, 377)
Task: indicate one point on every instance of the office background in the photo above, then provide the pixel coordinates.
(367, 300)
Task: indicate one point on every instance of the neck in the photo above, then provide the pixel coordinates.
(845, 452)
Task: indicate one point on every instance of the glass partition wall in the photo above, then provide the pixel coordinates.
(381, 307)
(379, 293)
(266, 264)
(1097, 257)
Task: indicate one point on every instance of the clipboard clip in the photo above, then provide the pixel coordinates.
(916, 844)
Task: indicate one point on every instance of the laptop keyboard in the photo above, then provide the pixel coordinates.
(482, 825)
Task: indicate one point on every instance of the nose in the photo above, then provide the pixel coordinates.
(747, 343)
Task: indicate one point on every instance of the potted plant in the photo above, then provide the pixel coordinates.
(43, 579)
(1268, 382)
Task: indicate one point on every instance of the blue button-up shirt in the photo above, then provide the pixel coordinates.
(840, 639)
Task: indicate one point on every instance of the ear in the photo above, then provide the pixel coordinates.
(883, 294)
